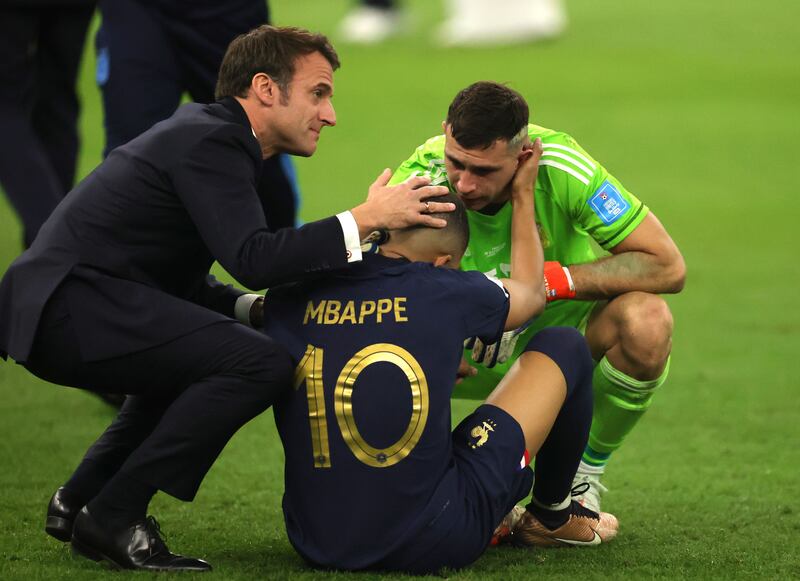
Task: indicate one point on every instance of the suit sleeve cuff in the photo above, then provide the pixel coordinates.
(241, 310)
(352, 241)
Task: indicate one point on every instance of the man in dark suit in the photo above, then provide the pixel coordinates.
(115, 293)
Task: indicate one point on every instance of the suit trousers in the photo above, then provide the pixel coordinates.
(188, 396)
(41, 48)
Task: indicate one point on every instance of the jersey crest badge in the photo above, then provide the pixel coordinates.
(608, 203)
(437, 172)
(481, 433)
(543, 238)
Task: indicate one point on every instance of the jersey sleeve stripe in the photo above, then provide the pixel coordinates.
(569, 170)
(571, 151)
(573, 161)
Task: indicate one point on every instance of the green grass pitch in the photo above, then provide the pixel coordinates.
(695, 106)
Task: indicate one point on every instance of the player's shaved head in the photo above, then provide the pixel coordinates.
(485, 112)
(426, 241)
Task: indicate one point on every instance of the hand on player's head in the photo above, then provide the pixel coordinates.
(401, 205)
(438, 246)
(525, 177)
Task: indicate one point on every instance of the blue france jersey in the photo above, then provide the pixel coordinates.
(366, 429)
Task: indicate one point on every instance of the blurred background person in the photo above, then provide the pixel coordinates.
(151, 52)
(468, 22)
(497, 22)
(371, 22)
(41, 44)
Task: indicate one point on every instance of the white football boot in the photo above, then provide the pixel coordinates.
(591, 487)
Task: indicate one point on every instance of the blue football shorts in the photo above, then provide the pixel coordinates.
(484, 482)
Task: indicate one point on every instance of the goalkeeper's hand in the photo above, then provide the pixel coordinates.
(498, 352)
(557, 281)
(465, 370)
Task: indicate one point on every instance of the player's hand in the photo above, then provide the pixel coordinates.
(484, 354)
(401, 205)
(465, 370)
(524, 181)
(498, 352)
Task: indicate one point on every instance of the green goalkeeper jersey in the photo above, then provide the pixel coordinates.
(577, 200)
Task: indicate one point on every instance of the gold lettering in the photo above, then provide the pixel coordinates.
(346, 384)
(367, 308)
(310, 372)
(384, 306)
(313, 312)
(399, 307)
(349, 313)
(332, 312)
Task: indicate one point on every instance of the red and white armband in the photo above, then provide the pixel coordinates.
(557, 281)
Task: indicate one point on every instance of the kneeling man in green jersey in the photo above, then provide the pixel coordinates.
(610, 293)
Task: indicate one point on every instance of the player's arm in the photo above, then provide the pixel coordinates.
(646, 260)
(525, 286)
(643, 255)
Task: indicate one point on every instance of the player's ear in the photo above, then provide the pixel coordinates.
(444, 126)
(265, 89)
(525, 151)
(444, 260)
(523, 155)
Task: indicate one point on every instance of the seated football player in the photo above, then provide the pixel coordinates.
(375, 479)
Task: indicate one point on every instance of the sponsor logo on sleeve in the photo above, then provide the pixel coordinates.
(608, 203)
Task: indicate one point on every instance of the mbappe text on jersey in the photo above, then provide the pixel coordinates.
(332, 312)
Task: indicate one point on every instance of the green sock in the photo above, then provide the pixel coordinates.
(619, 402)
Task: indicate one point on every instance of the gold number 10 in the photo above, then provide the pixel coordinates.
(309, 371)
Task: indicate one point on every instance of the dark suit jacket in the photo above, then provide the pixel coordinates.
(137, 238)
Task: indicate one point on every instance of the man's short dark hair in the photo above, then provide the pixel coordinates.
(485, 112)
(457, 223)
(271, 50)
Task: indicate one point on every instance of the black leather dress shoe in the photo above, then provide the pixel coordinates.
(61, 513)
(138, 546)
